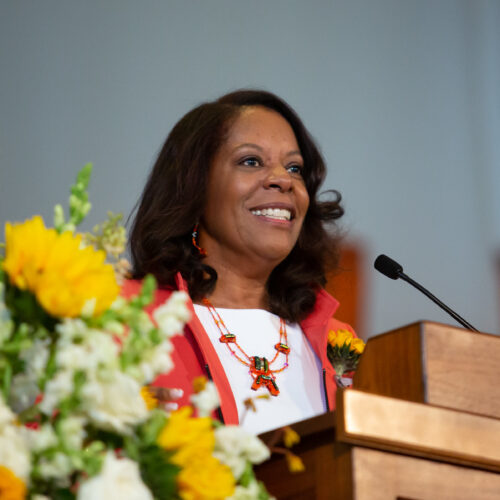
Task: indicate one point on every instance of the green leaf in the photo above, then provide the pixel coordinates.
(158, 472)
(151, 429)
(248, 475)
(146, 294)
(6, 381)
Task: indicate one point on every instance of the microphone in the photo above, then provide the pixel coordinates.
(394, 270)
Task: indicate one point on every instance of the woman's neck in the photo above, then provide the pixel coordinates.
(236, 290)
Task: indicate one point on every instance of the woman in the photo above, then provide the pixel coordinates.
(230, 214)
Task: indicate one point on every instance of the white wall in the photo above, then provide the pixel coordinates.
(402, 96)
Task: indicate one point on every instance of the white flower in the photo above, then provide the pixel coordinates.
(73, 432)
(23, 392)
(42, 438)
(59, 466)
(173, 314)
(250, 492)
(157, 361)
(115, 327)
(234, 447)
(35, 358)
(6, 324)
(98, 351)
(71, 329)
(14, 453)
(207, 400)
(57, 389)
(119, 478)
(114, 404)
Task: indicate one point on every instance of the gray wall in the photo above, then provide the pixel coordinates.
(402, 96)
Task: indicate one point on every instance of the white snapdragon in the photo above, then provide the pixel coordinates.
(173, 314)
(58, 466)
(96, 351)
(14, 452)
(72, 431)
(250, 492)
(35, 358)
(6, 324)
(42, 438)
(23, 392)
(71, 329)
(234, 447)
(115, 404)
(157, 361)
(207, 400)
(58, 388)
(119, 478)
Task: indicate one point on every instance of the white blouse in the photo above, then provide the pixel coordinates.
(300, 384)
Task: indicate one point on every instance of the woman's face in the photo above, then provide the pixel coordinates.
(256, 196)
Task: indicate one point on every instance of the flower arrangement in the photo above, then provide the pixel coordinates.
(76, 417)
(344, 351)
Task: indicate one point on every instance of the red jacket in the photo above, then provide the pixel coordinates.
(194, 354)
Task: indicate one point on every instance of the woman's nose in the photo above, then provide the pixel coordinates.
(278, 178)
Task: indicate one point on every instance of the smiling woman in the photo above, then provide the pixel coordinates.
(231, 214)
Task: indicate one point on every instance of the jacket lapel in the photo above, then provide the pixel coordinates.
(315, 328)
(216, 370)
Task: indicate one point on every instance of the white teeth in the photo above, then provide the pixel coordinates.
(274, 213)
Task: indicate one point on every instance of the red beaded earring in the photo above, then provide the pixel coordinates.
(194, 239)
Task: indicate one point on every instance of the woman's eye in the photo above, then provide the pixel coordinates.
(251, 161)
(295, 169)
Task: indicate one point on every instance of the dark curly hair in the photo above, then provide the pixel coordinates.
(174, 199)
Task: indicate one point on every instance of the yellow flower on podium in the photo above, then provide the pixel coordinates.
(339, 338)
(64, 275)
(344, 351)
(358, 345)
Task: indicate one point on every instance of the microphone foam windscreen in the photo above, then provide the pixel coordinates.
(387, 266)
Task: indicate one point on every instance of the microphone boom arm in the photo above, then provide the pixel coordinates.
(452, 313)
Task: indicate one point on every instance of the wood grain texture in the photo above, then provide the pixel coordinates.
(392, 365)
(463, 369)
(432, 363)
(378, 475)
(418, 429)
(316, 450)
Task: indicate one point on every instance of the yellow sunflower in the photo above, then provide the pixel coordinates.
(11, 487)
(202, 476)
(205, 478)
(64, 275)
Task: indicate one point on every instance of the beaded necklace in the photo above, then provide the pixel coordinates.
(259, 367)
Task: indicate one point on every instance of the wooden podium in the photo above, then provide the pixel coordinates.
(421, 422)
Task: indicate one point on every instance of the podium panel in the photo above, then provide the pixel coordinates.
(437, 364)
(378, 475)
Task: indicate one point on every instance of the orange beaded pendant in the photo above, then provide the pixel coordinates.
(260, 368)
